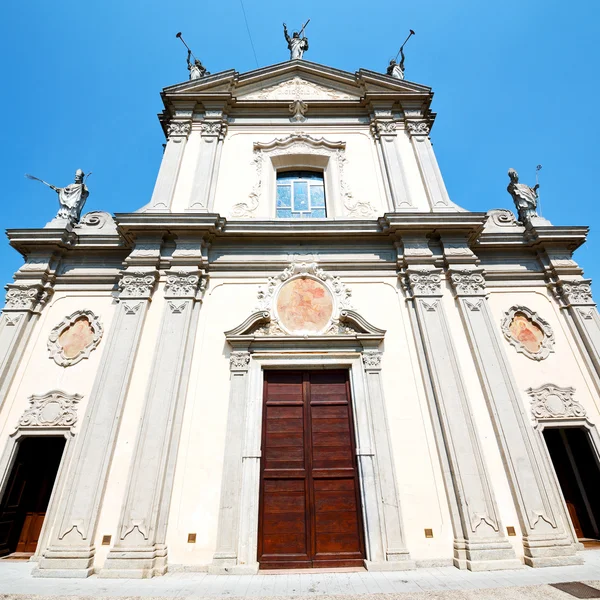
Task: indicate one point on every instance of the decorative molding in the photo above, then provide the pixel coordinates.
(57, 350)
(468, 282)
(177, 130)
(502, 217)
(298, 89)
(418, 129)
(137, 284)
(300, 143)
(213, 128)
(338, 288)
(298, 110)
(360, 209)
(182, 284)
(553, 402)
(54, 409)
(12, 320)
(131, 309)
(96, 219)
(26, 297)
(547, 343)
(381, 128)
(576, 291)
(372, 359)
(239, 360)
(424, 282)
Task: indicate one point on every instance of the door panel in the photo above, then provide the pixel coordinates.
(310, 504)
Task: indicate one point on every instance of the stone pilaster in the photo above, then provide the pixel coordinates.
(385, 132)
(212, 130)
(546, 540)
(225, 559)
(392, 554)
(435, 187)
(480, 542)
(164, 189)
(24, 302)
(140, 549)
(71, 548)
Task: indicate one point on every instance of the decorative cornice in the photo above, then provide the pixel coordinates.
(137, 284)
(553, 402)
(468, 282)
(54, 409)
(56, 349)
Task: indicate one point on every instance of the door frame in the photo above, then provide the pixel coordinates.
(7, 462)
(377, 480)
(566, 423)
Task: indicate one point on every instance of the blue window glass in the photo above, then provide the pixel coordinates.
(300, 195)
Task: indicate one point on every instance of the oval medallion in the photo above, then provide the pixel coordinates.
(304, 305)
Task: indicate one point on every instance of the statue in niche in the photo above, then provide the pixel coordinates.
(525, 197)
(297, 45)
(71, 198)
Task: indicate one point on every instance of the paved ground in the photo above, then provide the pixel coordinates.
(443, 583)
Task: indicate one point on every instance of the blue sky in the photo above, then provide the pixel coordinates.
(515, 86)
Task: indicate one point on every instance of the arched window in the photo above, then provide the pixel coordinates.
(300, 195)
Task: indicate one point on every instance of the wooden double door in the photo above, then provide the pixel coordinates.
(310, 513)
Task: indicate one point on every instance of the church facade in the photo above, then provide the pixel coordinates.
(300, 353)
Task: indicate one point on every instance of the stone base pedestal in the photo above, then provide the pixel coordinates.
(550, 552)
(492, 555)
(62, 562)
(135, 563)
(391, 565)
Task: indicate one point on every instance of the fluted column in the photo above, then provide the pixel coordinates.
(164, 189)
(140, 549)
(226, 557)
(546, 540)
(480, 542)
(71, 547)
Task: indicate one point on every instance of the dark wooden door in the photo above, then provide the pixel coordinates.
(310, 513)
(27, 493)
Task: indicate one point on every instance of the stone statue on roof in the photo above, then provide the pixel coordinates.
(297, 44)
(525, 197)
(71, 198)
(395, 69)
(197, 69)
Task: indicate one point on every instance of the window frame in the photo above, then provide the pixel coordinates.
(321, 178)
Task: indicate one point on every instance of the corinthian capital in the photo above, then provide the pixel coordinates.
(20, 297)
(577, 292)
(423, 282)
(418, 128)
(178, 130)
(468, 282)
(137, 284)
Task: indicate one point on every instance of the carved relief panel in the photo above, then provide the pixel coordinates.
(528, 332)
(553, 402)
(74, 338)
(54, 409)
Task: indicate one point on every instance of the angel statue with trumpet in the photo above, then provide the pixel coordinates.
(71, 198)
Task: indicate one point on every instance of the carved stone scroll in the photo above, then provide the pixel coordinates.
(53, 409)
(550, 401)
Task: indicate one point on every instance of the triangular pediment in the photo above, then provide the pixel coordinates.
(298, 88)
(296, 80)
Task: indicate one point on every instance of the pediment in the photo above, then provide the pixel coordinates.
(298, 88)
(297, 80)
